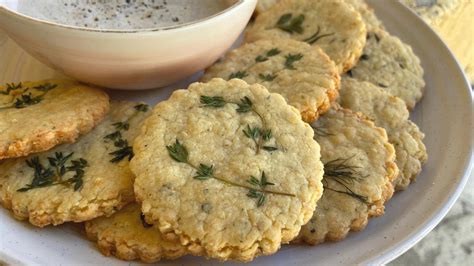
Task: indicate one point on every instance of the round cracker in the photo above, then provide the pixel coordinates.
(186, 145)
(36, 116)
(309, 82)
(367, 13)
(359, 166)
(368, 16)
(127, 236)
(31, 193)
(332, 25)
(389, 63)
(389, 112)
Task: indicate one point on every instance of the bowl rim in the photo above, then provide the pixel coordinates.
(19, 15)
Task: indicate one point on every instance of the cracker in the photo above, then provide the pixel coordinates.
(368, 16)
(389, 63)
(332, 25)
(389, 112)
(359, 166)
(201, 161)
(76, 182)
(127, 236)
(36, 116)
(309, 82)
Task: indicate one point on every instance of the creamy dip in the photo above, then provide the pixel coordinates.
(121, 14)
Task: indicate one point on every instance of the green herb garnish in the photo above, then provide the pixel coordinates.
(256, 188)
(238, 75)
(123, 149)
(26, 98)
(54, 173)
(268, 54)
(291, 59)
(260, 135)
(291, 24)
(317, 36)
(344, 174)
(267, 77)
(11, 87)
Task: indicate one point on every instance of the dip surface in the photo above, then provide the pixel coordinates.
(120, 14)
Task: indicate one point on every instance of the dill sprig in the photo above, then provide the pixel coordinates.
(340, 171)
(259, 135)
(45, 176)
(317, 36)
(256, 187)
(291, 24)
(123, 149)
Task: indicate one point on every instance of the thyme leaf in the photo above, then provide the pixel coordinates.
(291, 59)
(214, 101)
(267, 77)
(269, 53)
(291, 24)
(178, 152)
(11, 87)
(238, 75)
(256, 187)
(26, 99)
(245, 105)
(142, 107)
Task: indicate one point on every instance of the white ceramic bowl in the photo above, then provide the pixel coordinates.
(128, 59)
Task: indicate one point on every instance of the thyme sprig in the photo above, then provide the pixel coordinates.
(123, 149)
(259, 135)
(26, 98)
(256, 187)
(52, 175)
(343, 173)
(291, 24)
(317, 36)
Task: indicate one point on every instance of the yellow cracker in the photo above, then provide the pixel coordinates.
(191, 143)
(52, 188)
(128, 237)
(36, 116)
(332, 25)
(309, 82)
(358, 171)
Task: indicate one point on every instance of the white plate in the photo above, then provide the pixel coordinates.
(445, 114)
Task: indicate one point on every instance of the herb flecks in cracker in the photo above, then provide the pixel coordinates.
(54, 173)
(256, 187)
(259, 135)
